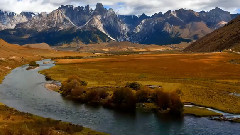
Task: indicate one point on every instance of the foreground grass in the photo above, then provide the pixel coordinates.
(203, 79)
(14, 122)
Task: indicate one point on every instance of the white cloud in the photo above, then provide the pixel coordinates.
(121, 6)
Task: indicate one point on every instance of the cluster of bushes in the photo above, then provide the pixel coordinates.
(33, 64)
(123, 97)
(69, 57)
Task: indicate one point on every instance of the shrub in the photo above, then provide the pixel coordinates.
(176, 106)
(134, 85)
(78, 91)
(169, 101)
(143, 96)
(33, 64)
(95, 96)
(92, 96)
(74, 77)
(124, 98)
(48, 78)
(73, 86)
(162, 99)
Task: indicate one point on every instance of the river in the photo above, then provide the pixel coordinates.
(24, 90)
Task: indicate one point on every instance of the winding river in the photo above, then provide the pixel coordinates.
(24, 90)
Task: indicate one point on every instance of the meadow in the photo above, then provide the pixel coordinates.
(205, 79)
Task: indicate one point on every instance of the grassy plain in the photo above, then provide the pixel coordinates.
(13, 122)
(203, 79)
(201, 112)
(13, 56)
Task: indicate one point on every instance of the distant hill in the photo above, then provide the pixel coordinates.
(227, 37)
(113, 47)
(38, 46)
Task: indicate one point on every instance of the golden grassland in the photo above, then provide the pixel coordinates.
(16, 123)
(13, 56)
(205, 79)
(200, 112)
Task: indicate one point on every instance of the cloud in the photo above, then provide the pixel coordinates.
(121, 6)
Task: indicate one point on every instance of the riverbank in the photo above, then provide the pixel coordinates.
(15, 122)
(210, 86)
(90, 96)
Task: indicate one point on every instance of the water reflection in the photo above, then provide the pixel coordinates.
(169, 125)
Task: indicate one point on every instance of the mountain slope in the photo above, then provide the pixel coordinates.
(227, 37)
(53, 36)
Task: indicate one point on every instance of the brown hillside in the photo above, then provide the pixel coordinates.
(113, 47)
(227, 37)
(38, 46)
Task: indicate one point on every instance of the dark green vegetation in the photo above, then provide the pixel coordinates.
(227, 37)
(68, 57)
(33, 64)
(53, 37)
(123, 98)
(134, 85)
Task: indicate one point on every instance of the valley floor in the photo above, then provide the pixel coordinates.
(210, 79)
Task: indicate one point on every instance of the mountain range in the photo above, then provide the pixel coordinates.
(84, 25)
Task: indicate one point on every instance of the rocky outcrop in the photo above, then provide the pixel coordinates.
(9, 20)
(43, 21)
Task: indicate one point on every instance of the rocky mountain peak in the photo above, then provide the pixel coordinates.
(215, 16)
(29, 15)
(100, 8)
(143, 16)
(160, 14)
(217, 9)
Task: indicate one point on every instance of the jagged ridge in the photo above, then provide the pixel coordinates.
(171, 27)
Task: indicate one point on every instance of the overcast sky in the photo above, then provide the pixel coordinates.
(122, 6)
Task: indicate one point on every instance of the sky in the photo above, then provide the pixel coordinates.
(126, 7)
